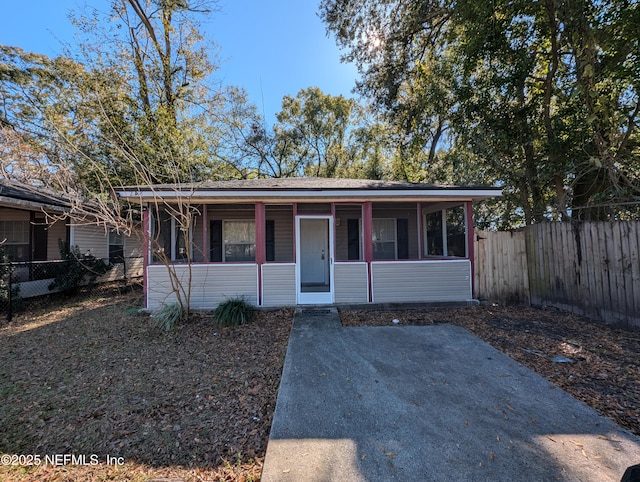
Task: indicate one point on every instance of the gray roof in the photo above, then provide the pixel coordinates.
(308, 189)
(301, 183)
(24, 195)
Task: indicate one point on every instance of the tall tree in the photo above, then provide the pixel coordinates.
(137, 109)
(140, 86)
(313, 131)
(544, 95)
(160, 70)
(315, 134)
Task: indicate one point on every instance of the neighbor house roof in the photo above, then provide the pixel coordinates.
(23, 196)
(308, 188)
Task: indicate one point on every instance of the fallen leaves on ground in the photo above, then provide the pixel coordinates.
(595, 363)
(96, 377)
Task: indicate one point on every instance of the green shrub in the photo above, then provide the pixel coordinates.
(77, 270)
(233, 312)
(9, 288)
(166, 316)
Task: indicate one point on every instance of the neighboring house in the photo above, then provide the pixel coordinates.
(32, 224)
(313, 241)
(25, 232)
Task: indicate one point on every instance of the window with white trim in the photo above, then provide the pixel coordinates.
(239, 238)
(384, 238)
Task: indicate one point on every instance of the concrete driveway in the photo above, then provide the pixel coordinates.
(428, 403)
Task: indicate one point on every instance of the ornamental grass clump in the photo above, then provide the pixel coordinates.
(233, 312)
(166, 316)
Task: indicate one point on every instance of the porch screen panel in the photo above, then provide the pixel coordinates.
(402, 229)
(445, 232)
(456, 232)
(353, 239)
(384, 239)
(161, 232)
(404, 217)
(279, 238)
(270, 239)
(348, 232)
(239, 240)
(433, 228)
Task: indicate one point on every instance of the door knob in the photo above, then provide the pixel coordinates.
(322, 257)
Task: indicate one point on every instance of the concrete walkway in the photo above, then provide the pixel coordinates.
(428, 403)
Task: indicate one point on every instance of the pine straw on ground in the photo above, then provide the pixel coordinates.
(96, 378)
(604, 371)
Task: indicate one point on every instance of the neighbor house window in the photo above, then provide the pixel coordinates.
(14, 236)
(116, 247)
(239, 240)
(384, 239)
(445, 233)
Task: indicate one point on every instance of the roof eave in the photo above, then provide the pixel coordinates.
(13, 203)
(272, 195)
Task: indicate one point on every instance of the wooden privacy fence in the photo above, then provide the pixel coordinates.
(590, 268)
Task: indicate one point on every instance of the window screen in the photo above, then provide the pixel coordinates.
(384, 239)
(239, 241)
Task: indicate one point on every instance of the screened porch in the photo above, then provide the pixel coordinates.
(314, 253)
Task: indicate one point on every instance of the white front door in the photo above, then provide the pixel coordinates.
(314, 265)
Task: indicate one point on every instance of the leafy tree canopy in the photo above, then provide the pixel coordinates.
(540, 96)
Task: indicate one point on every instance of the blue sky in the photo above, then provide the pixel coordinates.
(271, 48)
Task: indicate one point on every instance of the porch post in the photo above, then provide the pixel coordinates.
(205, 234)
(367, 227)
(470, 241)
(295, 233)
(333, 241)
(420, 234)
(261, 251)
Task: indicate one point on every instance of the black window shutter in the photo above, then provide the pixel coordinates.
(353, 239)
(215, 233)
(402, 228)
(270, 239)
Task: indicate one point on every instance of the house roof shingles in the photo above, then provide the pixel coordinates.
(307, 186)
(15, 194)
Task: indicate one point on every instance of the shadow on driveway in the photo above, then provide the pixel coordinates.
(428, 403)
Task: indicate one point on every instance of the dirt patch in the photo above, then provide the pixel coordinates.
(95, 379)
(596, 363)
